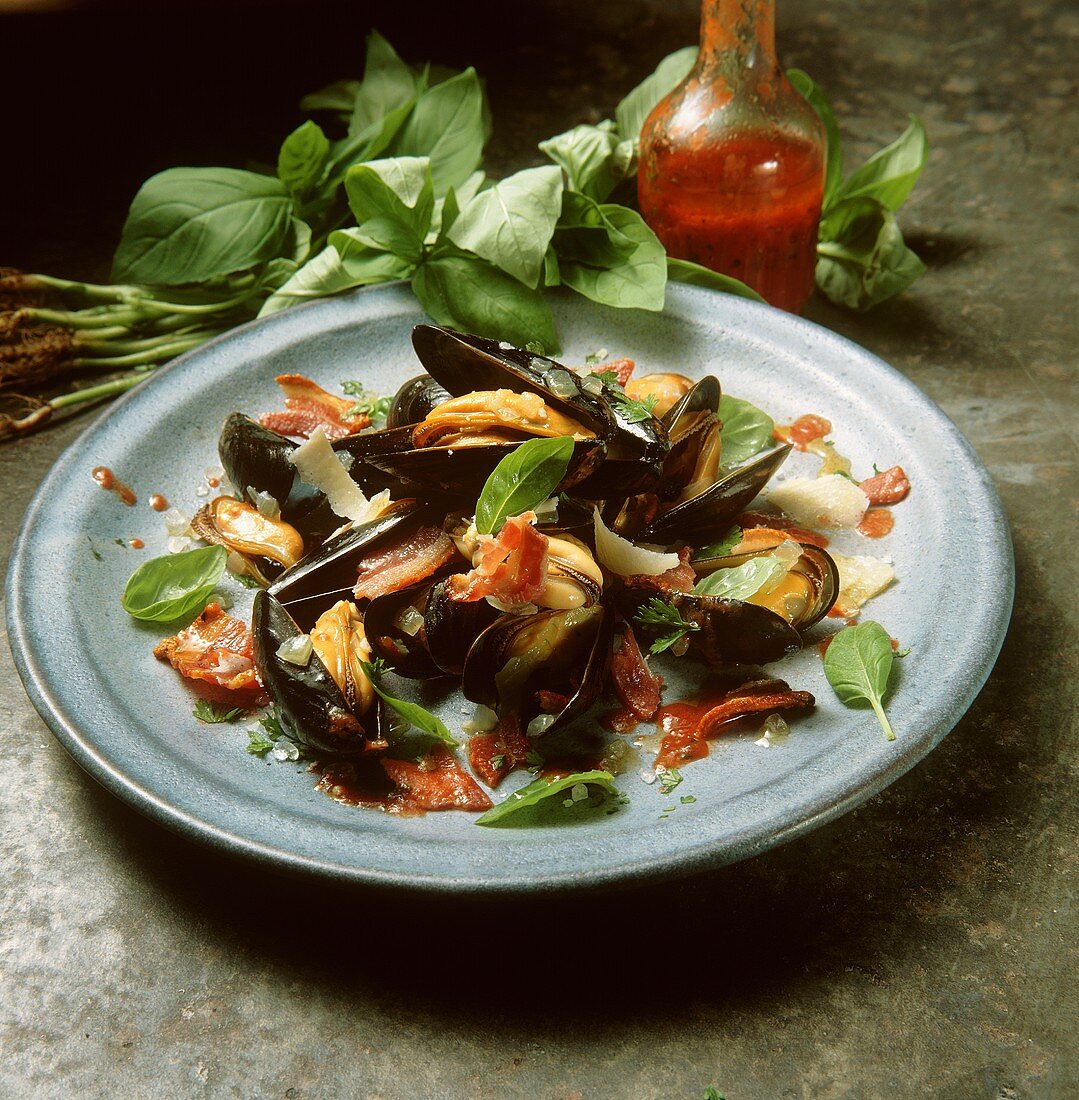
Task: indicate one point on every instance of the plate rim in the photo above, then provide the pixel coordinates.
(702, 856)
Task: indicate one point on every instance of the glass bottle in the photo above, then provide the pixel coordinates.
(731, 171)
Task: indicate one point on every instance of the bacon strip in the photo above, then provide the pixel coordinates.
(683, 744)
(888, 487)
(679, 579)
(634, 682)
(400, 564)
(512, 567)
(494, 755)
(215, 648)
(308, 406)
(437, 782)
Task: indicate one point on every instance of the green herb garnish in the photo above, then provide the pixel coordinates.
(376, 408)
(93, 549)
(211, 713)
(164, 589)
(607, 377)
(257, 743)
(657, 612)
(741, 581)
(542, 789)
(722, 548)
(858, 664)
(413, 713)
(669, 780)
(526, 477)
(746, 430)
(632, 409)
(498, 761)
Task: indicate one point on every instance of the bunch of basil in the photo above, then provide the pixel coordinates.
(400, 194)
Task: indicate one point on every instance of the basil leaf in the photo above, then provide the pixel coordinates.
(472, 295)
(862, 258)
(585, 235)
(388, 84)
(345, 263)
(413, 713)
(393, 201)
(746, 430)
(889, 174)
(366, 145)
(164, 589)
(722, 548)
(302, 158)
(685, 271)
(339, 97)
(510, 224)
(637, 106)
(187, 225)
(742, 581)
(858, 664)
(637, 282)
(833, 170)
(449, 125)
(524, 478)
(542, 789)
(586, 155)
(448, 207)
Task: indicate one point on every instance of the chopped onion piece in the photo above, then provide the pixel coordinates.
(297, 651)
(266, 504)
(176, 523)
(540, 724)
(408, 620)
(483, 720)
(319, 466)
(621, 556)
(775, 729)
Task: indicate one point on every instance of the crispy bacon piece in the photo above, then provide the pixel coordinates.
(308, 406)
(437, 782)
(403, 563)
(888, 487)
(215, 648)
(690, 727)
(512, 567)
(494, 755)
(679, 579)
(635, 684)
(781, 525)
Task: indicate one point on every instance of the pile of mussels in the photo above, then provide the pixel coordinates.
(387, 588)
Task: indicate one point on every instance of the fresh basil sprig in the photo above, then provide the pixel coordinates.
(858, 664)
(746, 430)
(741, 581)
(168, 588)
(722, 548)
(526, 477)
(542, 789)
(413, 713)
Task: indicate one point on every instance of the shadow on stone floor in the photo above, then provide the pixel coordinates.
(866, 893)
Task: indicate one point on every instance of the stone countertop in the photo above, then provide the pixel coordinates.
(925, 944)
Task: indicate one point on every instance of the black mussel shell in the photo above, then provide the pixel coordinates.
(708, 516)
(573, 517)
(254, 456)
(636, 452)
(689, 423)
(414, 400)
(461, 471)
(310, 706)
(451, 626)
(487, 656)
(329, 574)
(408, 654)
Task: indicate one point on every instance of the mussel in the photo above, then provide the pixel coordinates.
(764, 626)
(267, 544)
(546, 669)
(323, 698)
(414, 400)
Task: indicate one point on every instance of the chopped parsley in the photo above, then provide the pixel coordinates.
(657, 612)
(93, 549)
(669, 780)
(257, 744)
(633, 411)
(686, 799)
(272, 725)
(498, 761)
(211, 713)
(534, 761)
(377, 408)
(120, 542)
(607, 377)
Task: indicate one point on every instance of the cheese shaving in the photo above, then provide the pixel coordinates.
(318, 465)
(621, 556)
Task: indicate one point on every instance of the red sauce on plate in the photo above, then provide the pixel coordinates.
(876, 523)
(158, 502)
(108, 480)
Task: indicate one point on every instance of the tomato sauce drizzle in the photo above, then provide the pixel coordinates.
(108, 480)
(158, 502)
(876, 523)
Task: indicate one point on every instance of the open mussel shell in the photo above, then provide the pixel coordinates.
(451, 626)
(709, 515)
(584, 646)
(462, 470)
(414, 400)
(256, 457)
(329, 573)
(692, 424)
(268, 545)
(310, 706)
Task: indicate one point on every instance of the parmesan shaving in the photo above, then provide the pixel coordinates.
(318, 465)
(860, 579)
(621, 556)
(830, 501)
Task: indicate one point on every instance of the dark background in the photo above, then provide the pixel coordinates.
(103, 95)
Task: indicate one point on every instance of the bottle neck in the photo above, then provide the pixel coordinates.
(742, 32)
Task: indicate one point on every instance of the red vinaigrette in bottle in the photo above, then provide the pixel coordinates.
(731, 171)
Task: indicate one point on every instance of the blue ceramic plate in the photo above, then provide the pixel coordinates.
(126, 718)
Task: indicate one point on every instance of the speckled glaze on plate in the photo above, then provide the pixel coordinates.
(126, 718)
